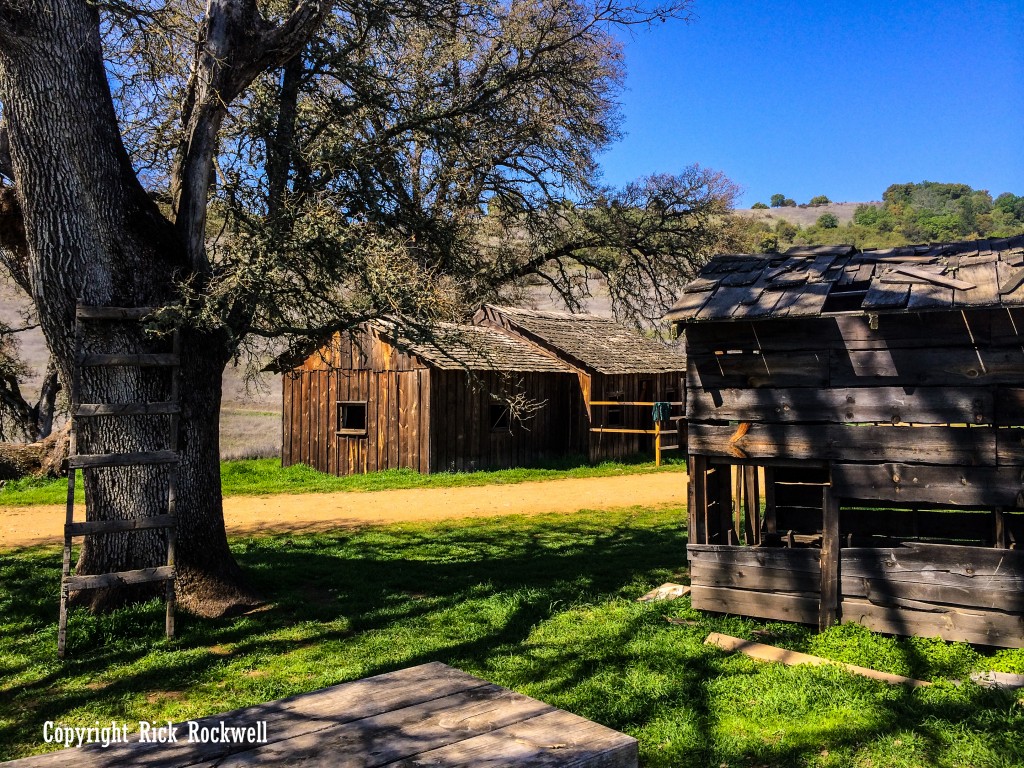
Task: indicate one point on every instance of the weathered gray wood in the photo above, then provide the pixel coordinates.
(932, 277)
(285, 718)
(119, 579)
(886, 296)
(142, 360)
(127, 409)
(933, 562)
(555, 739)
(388, 718)
(92, 460)
(918, 523)
(829, 605)
(887, 591)
(921, 405)
(116, 526)
(982, 627)
(766, 605)
(399, 734)
(925, 366)
(908, 483)
(927, 445)
(697, 496)
(747, 369)
(758, 578)
(805, 560)
(83, 312)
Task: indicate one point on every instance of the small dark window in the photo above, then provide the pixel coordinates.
(646, 390)
(499, 417)
(615, 411)
(352, 418)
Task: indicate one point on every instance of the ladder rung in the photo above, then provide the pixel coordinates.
(121, 578)
(87, 460)
(117, 526)
(113, 313)
(126, 409)
(143, 361)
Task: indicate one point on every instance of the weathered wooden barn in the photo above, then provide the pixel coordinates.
(377, 399)
(881, 393)
(614, 365)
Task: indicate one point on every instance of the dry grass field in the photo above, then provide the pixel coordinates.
(803, 216)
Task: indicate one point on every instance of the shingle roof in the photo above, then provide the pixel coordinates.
(588, 341)
(807, 281)
(477, 348)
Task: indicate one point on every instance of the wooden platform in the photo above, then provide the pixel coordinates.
(430, 715)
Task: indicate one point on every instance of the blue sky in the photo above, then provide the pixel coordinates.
(836, 98)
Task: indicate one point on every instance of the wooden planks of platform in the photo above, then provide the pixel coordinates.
(428, 715)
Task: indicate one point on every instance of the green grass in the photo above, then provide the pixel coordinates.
(544, 605)
(259, 477)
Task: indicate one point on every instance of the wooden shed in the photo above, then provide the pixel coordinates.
(376, 399)
(614, 365)
(855, 437)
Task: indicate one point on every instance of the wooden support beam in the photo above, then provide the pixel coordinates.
(93, 460)
(127, 409)
(829, 606)
(764, 652)
(720, 491)
(752, 505)
(770, 520)
(142, 360)
(117, 526)
(83, 312)
(119, 579)
(697, 498)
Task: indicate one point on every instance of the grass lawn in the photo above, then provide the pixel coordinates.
(257, 477)
(544, 605)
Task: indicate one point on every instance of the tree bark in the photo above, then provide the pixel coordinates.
(94, 235)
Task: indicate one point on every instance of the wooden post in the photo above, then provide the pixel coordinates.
(999, 522)
(828, 607)
(738, 501)
(697, 498)
(770, 522)
(719, 527)
(657, 443)
(752, 502)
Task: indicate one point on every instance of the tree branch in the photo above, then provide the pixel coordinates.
(235, 45)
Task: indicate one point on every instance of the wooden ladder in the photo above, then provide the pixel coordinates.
(76, 460)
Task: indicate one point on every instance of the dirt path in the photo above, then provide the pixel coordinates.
(24, 526)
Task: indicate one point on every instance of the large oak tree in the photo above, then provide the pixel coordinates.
(292, 169)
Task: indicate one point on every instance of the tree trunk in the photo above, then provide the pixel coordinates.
(44, 407)
(95, 236)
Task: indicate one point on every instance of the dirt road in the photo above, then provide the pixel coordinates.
(24, 526)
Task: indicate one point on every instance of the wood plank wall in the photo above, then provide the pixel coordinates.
(363, 368)
(822, 389)
(631, 387)
(419, 417)
(463, 438)
(916, 425)
(973, 594)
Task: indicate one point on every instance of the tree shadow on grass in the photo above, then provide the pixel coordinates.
(532, 606)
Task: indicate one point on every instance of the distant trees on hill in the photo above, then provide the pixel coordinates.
(910, 213)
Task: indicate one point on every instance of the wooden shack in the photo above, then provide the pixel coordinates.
(377, 399)
(614, 365)
(880, 396)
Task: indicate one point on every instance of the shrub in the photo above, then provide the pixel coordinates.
(758, 206)
(828, 221)
(819, 200)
